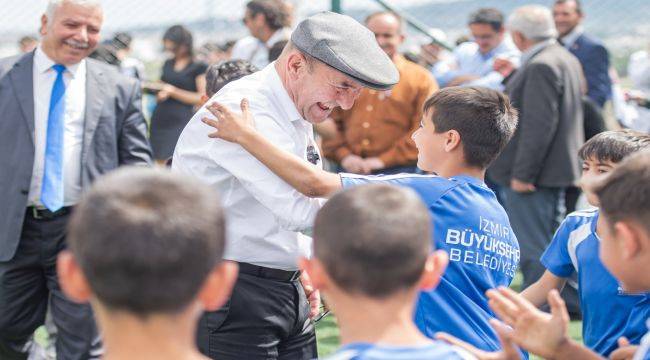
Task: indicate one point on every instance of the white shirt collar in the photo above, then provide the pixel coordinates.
(43, 63)
(531, 51)
(281, 94)
(569, 39)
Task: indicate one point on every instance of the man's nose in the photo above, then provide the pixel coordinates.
(347, 99)
(82, 34)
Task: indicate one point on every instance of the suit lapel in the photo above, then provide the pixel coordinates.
(576, 45)
(22, 77)
(94, 102)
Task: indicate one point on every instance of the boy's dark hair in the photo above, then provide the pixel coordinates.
(614, 145)
(276, 12)
(373, 239)
(146, 239)
(180, 36)
(220, 74)
(276, 50)
(483, 117)
(487, 16)
(625, 191)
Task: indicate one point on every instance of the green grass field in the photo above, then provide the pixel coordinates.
(327, 331)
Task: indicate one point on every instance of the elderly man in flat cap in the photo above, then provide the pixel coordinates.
(329, 59)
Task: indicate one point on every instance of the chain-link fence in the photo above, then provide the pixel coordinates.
(621, 24)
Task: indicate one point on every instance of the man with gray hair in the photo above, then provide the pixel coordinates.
(66, 120)
(329, 59)
(541, 160)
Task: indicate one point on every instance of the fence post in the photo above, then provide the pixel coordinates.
(336, 6)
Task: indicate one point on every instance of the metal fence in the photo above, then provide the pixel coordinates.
(621, 24)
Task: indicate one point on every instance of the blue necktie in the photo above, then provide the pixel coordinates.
(52, 190)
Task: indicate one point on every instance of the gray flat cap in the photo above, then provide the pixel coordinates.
(344, 44)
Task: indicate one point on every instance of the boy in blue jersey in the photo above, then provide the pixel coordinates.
(608, 312)
(462, 131)
(624, 226)
(146, 250)
(372, 254)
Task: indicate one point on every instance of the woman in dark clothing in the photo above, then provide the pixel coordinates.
(182, 84)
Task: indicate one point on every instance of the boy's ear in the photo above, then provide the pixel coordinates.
(630, 237)
(218, 285)
(72, 280)
(434, 267)
(452, 140)
(317, 274)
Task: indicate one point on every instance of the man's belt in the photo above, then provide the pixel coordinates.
(268, 273)
(45, 214)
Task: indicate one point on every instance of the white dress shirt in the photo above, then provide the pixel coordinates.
(74, 78)
(255, 51)
(467, 59)
(569, 39)
(264, 214)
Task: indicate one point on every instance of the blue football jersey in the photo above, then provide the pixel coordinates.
(434, 351)
(607, 311)
(473, 228)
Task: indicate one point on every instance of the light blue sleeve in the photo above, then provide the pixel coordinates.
(446, 70)
(492, 80)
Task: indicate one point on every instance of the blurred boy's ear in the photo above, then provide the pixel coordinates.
(218, 285)
(320, 280)
(434, 267)
(72, 280)
(631, 237)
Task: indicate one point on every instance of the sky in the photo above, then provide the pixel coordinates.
(22, 16)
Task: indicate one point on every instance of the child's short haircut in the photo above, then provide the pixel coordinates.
(625, 192)
(483, 117)
(146, 239)
(373, 239)
(220, 74)
(614, 145)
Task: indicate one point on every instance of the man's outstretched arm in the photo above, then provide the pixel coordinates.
(310, 180)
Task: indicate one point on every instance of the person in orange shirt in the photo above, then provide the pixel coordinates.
(374, 136)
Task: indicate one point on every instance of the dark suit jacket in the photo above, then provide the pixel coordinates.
(594, 58)
(115, 133)
(544, 149)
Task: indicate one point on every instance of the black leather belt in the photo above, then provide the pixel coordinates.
(45, 214)
(268, 273)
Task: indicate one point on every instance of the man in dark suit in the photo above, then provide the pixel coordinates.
(594, 58)
(591, 53)
(65, 120)
(541, 160)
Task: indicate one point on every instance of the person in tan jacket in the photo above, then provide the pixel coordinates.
(374, 136)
